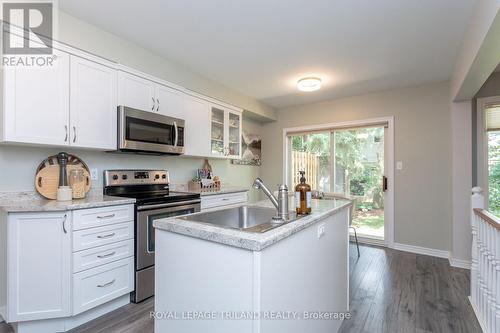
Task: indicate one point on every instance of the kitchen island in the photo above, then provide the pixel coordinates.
(293, 278)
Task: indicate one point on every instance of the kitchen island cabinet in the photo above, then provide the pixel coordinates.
(293, 278)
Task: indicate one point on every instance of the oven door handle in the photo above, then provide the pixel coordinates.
(176, 138)
(172, 204)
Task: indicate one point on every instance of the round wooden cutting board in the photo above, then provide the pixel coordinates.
(47, 175)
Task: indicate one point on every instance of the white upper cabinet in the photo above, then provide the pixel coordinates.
(136, 92)
(93, 106)
(225, 132)
(170, 102)
(39, 259)
(146, 95)
(234, 124)
(36, 103)
(197, 127)
(74, 103)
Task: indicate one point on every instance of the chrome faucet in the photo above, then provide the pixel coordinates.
(281, 203)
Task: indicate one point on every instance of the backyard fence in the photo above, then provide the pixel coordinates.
(307, 162)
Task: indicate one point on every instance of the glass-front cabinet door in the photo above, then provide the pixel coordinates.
(225, 140)
(234, 135)
(218, 124)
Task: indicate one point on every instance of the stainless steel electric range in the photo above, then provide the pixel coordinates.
(154, 200)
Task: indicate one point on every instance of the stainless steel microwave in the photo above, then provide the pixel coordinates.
(148, 132)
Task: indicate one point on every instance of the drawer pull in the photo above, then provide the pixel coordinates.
(106, 216)
(106, 236)
(225, 199)
(106, 255)
(106, 284)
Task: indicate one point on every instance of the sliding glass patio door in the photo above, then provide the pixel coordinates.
(349, 162)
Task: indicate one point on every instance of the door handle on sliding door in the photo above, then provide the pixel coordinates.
(384, 184)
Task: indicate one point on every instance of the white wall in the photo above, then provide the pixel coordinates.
(461, 119)
(422, 142)
(491, 87)
(480, 51)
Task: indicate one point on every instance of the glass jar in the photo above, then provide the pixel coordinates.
(77, 183)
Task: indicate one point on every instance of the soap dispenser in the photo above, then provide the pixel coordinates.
(303, 196)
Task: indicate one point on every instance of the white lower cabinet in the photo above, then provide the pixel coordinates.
(101, 255)
(216, 201)
(38, 266)
(50, 273)
(88, 238)
(99, 285)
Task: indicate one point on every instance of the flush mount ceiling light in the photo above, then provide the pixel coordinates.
(309, 84)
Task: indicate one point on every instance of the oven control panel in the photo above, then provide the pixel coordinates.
(135, 177)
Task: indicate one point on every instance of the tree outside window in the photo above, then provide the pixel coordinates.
(494, 172)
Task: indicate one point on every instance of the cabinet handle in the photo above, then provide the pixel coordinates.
(64, 223)
(74, 133)
(106, 255)
(66, 130)
(158, 107)
(106, 236)
(106, 284)
(105, 216)
(225, 199)
(153, 107)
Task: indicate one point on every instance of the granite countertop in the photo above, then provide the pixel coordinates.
(19, 202)
(252, 241)
(223, 190)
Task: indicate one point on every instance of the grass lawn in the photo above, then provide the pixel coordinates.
(369, 223)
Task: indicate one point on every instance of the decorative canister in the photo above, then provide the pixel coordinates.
(77, 183)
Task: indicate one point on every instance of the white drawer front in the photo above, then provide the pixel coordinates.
(102, 284)
(101, 255)
(89, 238)
(97, 217)
(219, 200)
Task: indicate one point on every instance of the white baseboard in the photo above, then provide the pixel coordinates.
(422, 250)
(478, 317)
(460, 263)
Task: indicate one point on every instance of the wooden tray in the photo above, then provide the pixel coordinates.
(47, 175)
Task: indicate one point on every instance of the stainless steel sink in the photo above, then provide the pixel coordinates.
(245, 218)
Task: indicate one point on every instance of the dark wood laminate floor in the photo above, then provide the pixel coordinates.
(390, 291)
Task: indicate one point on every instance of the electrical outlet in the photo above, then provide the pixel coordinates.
(94, 174)
(321, 230)
(399, 165)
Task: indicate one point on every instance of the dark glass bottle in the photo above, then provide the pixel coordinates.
(303, 196)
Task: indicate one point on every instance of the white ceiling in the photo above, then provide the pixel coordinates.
(261, 47)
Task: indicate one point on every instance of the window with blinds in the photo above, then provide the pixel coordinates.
(493, 118)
